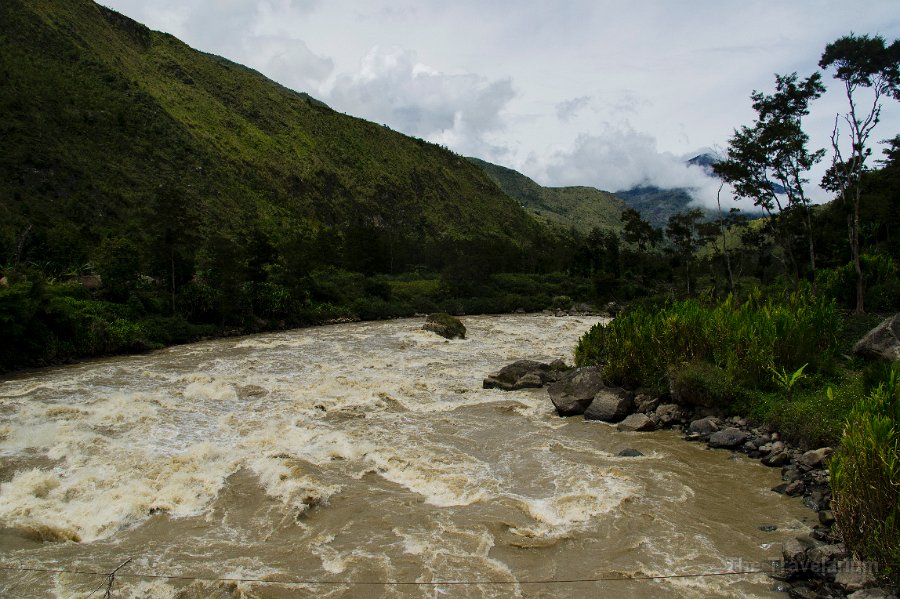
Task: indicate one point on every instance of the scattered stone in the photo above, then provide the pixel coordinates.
(522, 374)
(826, 518)
(790, 474)
(795, 488)
(874, 593)
(881, 342)
(768, 528)
(794, 550)
(728, 438)
(822, 554)
(575, 390)
(630, 453)
(669, 413)
(815, 458)
(645, 403)
(705, 426)
(445, 325)
(774, 460)
(558, 364)
(636, 423)
(610, 404)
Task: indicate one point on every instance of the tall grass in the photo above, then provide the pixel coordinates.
(744, 340)
(865, 478)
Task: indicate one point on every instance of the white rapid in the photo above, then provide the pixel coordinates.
(329, 461)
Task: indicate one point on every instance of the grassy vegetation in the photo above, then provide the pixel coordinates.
(865, 477)
(742, 339)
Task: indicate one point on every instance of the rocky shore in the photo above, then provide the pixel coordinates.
(812, 566)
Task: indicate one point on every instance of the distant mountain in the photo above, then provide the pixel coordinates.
(113, 131)
(655, 204)
(581, 208)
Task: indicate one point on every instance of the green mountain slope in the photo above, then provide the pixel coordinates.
(115, 132)
(656, 205)
(583, 208)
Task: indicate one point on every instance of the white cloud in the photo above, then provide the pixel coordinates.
(460, 110)
(569, 109)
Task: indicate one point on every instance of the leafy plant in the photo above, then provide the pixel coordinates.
(785, 380)
(865, 479)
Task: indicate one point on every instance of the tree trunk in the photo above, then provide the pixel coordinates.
(857, 263)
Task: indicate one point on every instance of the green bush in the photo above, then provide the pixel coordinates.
(881, 278)
(865, 479)
(743, 340)
(699, 384)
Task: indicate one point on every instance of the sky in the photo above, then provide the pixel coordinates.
(607, 93)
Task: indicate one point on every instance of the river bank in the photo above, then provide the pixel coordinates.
(812, 565)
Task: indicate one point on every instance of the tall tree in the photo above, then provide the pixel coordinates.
(767, 162)
(861, 63)
(638, 231)
(686, 234)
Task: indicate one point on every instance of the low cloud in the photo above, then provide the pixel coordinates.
(569, 109)
(392, 87)
(619, 159)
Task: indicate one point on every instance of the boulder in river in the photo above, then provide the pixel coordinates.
(637, 423)
(728, 438)
(522, 374)
(445, 325)
(704, 426)
(575, 390)
(881, 342)
(610, 404)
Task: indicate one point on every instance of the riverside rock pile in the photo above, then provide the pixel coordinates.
(815, 565)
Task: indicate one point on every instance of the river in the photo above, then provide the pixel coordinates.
(342, 457)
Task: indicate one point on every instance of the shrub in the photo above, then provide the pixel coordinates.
(865, 479)
(561, 302)
(743, 340)
(699, 384)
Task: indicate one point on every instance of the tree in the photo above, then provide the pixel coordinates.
(638, 231)
(869, 63)
(686, 233)
(766, 162)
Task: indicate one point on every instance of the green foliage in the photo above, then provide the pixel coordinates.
(743, 340)
(811, 419)
(865, 479)
(561, 302)
(881, 278)
(786, 380)
(700, 383)
(448, 326)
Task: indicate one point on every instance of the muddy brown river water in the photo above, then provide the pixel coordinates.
(325, 462)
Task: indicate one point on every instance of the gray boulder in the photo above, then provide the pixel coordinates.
(637, 423)
(630, 453)
(669, 413)
(523, 374)
(881, 342)
(704, 426)
(814, 458)
(575, 390)
(728, 438)
(610, 404)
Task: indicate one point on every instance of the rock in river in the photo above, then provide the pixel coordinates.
(610, 404)
(575, 390)
(729, 438)
(523, 374)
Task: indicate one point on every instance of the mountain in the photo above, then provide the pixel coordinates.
(656, 205)
(581, 208)
(121, 139)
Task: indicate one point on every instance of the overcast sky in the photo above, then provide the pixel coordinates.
(611, 94)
